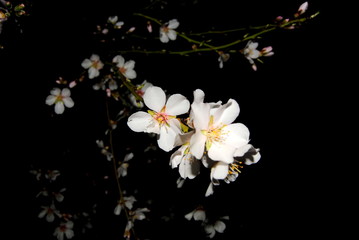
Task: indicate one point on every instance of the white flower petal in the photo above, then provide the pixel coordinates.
(242, 150)
(221, 152)
(55, 91)
(51, 99)
(129, 64)
(59, 107)
(189, 215)
(219, 171)
(226, 113)
(87, 63)
(119, 60)
(141, 122)
(94, 58)
(130, 73)
(173, 24)
(66, 92)
(177, 104)
(209, 190)
(68, 102)
(155, 98)
(172, 34)
(199, 215)
(163, 37)
(237, 135)
(219, 226)
(166, 139)
(93, 72)
(197, 144)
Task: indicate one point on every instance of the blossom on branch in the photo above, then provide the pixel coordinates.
(161, 119)
(126, 68)
(94, 65)
(64, 230)
(61, 99)
(167, 31)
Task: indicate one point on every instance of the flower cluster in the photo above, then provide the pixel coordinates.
(209, 135)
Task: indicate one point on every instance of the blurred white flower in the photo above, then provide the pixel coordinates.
(61, 99)
(50, 212)
(197, 214)
(64, 230)
(140, 90)
(94, 65)
(218, 226)
(126, 68)
(122, 169)
(167, 31)
(124, 202)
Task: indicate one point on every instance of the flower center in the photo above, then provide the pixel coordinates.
(213, 134)
(161, 117)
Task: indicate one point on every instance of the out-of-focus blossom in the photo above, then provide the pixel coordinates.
(114, 21)
(104, 150)
(138, 214)
(122, 169)
(61, 99)
(197, 214)
(167, 31)
(161, 119)
(94, 65)
(223, 57)
(302, 9)
(125, 67)
(218, 226)
(140, 90)
(251, 52)
(58, 195)
(64, 230)
(124, 202)
(52, 174)
(50, 212)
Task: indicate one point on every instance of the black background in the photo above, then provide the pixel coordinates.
(285, 105)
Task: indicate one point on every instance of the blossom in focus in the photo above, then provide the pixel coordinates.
(161, 119)
(125, 67)
(167, 31)
(189, 166)
(64, 230)
(61, 99)
(94, 65)
(214, 130)
(50, 212)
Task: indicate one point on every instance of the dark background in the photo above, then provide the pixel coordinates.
(285, 105)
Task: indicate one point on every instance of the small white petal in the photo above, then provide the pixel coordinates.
(166, 139)
(86, 63)
(209, 190)
(51, 99)
(155, 98)
(199, 215)
(219, 171)
(219, 226)
(68, 102)
(177, 104)
(130, 73)
(163, 37)
(173, 24)
(93, 72)
(189, 215)
(59, 107)
(140, 121)
(172, 34)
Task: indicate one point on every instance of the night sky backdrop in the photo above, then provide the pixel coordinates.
(283, 104)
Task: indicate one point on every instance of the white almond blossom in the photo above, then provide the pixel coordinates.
(161, 119)
(94, 65)
(218, 226)
(122, 169)
(214, 130)
(251, 52)
(167, 31)
(124, 202)
(64, 230)
(189, 166)
(61, 99)
(50, 212)
(125, 67)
